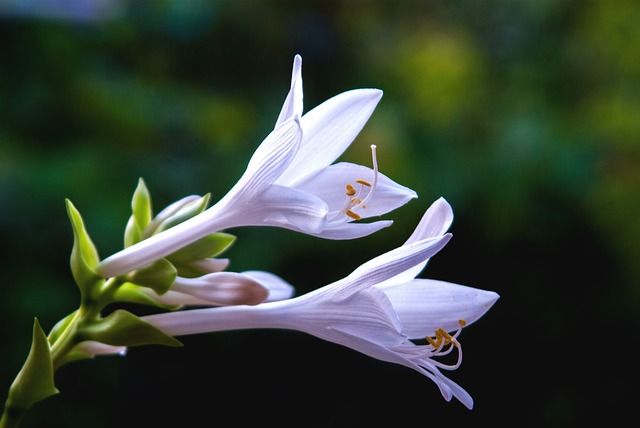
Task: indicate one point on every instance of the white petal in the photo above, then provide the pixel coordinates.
(293, 103)
(458, 392)
(352, 230)
(329, 129)
(290, 208)
(279, 289)
(389, 265)
(270, 159)
(329, 185)
(424, 305)
(435, 221)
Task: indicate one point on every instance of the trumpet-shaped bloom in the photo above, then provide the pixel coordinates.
(290, 182)
(379, 309)
(351, 191)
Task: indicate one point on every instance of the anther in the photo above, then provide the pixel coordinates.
(363, 182)
(352, 215)
(350, 190)
(354, 200)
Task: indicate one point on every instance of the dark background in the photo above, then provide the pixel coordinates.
(524, 115)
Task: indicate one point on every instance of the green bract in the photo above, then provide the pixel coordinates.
(133, 293)
(84, 256)
(35, 380)
(210, 246)
(122, 328)
(158, 276)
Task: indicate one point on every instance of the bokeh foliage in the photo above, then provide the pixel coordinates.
(524, 115)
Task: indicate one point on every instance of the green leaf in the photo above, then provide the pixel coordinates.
(35, 380)
(158, 276)
(122, 328)
(84, 256)
(209, 246)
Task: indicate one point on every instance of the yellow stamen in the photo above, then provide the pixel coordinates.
(354, 201)
(443, 338)
(353, 215)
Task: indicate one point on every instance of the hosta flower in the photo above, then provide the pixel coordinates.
(380, 309)
(290, 183)
(351, 191)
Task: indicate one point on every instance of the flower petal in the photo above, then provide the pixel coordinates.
(435, 221)
(289, 208)
(270, 159)
(389, 265)
(293, 103)
(424, 305)
(329, 185)
(352, 230)
(329, 129)
(401, 355)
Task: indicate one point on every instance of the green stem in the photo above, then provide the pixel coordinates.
(12, 416)
(89, 311)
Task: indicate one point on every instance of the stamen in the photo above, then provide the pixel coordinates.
(441, 341)
(353, 215)
(375, 175)
(363, 182)
(350, 190)
(354, 200)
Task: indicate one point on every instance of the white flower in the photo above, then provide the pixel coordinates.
(290, 183)
(379, 309)
(351, 191)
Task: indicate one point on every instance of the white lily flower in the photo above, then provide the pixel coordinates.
(290, 183)
(351, 192)
(377, 310)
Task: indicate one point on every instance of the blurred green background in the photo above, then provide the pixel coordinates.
(524, 115)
